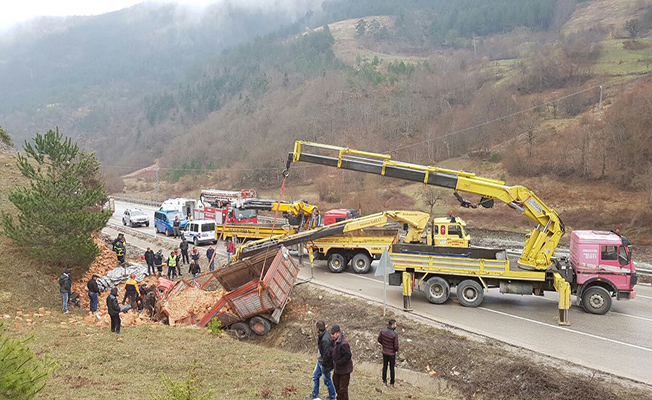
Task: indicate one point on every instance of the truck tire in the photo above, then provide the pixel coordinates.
(167, 232)
(259, 325)
(596, 300)
(147, 223)
(469, 293)
(241, 330)
(336, 263)
(361, 263)
(195, 241)
(437, 290)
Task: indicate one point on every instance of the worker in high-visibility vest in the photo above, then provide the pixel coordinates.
(173, 260)
(132, 291)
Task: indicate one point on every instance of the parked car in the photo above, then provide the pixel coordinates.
(163, 220)
(134, 217)
(200, 231)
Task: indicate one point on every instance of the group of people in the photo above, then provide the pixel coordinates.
(334, 355)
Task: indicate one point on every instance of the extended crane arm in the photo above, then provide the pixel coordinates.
(540, 244)
(306, 213)
(416, 221)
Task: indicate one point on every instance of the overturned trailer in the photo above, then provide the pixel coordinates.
(247, 296)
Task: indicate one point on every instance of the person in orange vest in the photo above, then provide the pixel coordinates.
(132, 291)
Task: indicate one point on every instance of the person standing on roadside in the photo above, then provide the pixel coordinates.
(158, 262)
(230, 250)
(172, 265)
(195, 255)
(184, 251)
(194, 269)
(132, 291)
(113, 308)
(211, 262)
(324, 364)
(149, 259)
(176, 226)
(93, 292)
(388, 338)
(342, 363)
(120, 248)
(65, 284)
(176, 253)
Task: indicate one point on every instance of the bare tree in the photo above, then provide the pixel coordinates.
(633, 26)
(430, 196)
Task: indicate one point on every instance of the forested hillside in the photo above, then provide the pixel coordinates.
(513, 86)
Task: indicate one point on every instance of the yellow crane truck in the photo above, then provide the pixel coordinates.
(599, 266)
(360, 240)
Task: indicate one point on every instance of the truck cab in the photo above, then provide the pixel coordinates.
(602, 262)
(449, 232)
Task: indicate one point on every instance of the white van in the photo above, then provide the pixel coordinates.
(183, 205)
(200, 231)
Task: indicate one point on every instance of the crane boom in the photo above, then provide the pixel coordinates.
(416, 222)
(540, 244)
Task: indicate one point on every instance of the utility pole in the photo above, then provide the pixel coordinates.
(157, 183)
(600, 107)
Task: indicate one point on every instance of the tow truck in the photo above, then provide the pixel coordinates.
(598, 269)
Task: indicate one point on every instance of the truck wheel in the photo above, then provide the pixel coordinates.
(259, 325)
(360, 263)
(336, 262)
(469, 293)
(147, 223)
(195, 241)
(596, 300)
(167, 232)
(437, 290)
(241, 330)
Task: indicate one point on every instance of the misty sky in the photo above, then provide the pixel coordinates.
(12, 12)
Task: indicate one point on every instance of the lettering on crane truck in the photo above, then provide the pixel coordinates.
(534, 204)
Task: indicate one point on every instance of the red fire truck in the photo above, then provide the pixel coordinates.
(215, 205)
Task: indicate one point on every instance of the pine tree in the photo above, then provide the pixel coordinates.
(62, 206)
(22, 375)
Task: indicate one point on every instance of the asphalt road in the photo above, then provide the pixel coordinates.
(618, 342)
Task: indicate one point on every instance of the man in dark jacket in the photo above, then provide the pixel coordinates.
(149, 259)
(209, 254)
(65, 284)
(388, 338)
(158, 262)
(113, 307)
(93, 292)
(176, 226)
(194, 269)
(342, 363)
(184, 251)
(324, 364)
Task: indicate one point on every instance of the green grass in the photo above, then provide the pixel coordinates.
(95, 365)
(615, 60)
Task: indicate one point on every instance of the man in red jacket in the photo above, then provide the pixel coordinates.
(342, 363)
(388, 338)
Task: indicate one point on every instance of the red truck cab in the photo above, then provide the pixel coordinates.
(602, 262)
(341, 214)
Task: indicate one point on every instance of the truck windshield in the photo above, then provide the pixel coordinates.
(244, 214)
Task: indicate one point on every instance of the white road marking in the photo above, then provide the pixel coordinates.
(364, 277)
(610, 312)
(640, 295)
(568, 330)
